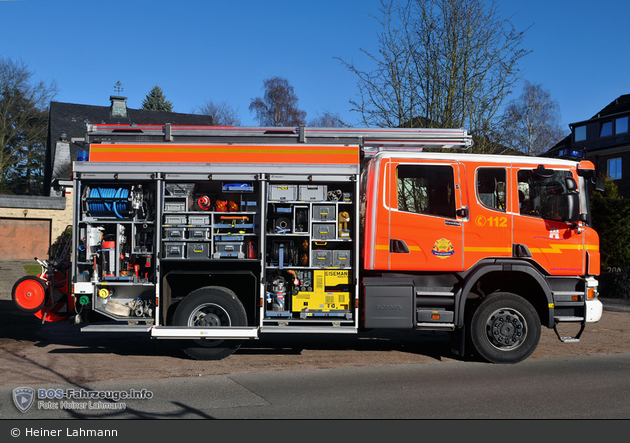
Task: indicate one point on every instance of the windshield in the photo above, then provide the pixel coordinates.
(543, 197)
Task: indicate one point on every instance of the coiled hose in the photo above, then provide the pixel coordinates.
(108, 202)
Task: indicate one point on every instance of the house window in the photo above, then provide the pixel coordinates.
(614, 168)
(606, 129)
(580, 133)
(621, 125)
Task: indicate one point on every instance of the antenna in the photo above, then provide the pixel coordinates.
(118, 87)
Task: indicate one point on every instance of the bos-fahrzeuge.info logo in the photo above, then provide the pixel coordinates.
(24, 398)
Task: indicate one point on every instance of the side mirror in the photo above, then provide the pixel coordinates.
(573, 207)
(600, 185)
(571, 184)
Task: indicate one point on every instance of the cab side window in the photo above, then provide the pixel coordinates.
(491, 188)
(426, 189)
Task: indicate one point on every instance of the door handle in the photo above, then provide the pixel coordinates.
(398, 246)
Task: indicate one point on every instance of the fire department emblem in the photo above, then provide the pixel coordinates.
(443, 248)
(23, 398)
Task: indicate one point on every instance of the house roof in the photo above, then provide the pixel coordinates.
(620, 105)
(71, 119)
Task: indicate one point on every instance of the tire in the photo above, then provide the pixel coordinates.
(29, 294)
(505, 328)
(210, 306)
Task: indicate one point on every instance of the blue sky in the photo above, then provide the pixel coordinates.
(223, 50)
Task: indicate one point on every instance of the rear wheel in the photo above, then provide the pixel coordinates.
(505, 328)
(209, 307)
(29, 293)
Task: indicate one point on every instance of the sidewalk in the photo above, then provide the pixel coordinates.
(10, 272)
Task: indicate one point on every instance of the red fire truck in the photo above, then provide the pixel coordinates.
(214, 235)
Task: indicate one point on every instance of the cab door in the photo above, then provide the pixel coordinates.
(540, 222)
(488, 234)
(426, 232)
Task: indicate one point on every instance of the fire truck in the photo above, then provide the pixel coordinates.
(215, 235)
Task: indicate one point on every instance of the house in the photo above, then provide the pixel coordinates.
(603, 139)
(29, 224)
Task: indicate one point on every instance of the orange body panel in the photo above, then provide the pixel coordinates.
(204, 153)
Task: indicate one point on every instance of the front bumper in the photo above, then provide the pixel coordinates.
(594, 310)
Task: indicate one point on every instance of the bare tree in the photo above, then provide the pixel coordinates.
(23, 127)
(279, 105)
(441, 63)
(222, 113)
(328, 120)
(532, 121)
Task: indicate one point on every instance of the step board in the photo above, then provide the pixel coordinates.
(569, 319)
(436, 326)
(434, 292)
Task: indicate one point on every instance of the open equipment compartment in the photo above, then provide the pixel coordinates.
(311, 251)
(115, 244)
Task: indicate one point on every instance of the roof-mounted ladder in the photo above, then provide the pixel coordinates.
(370, 140)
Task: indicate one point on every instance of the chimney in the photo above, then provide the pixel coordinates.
(118, 107)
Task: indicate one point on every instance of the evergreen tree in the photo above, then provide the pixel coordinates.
(156, 101)
(611, 220)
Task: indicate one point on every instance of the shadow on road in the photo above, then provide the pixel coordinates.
(21, 326)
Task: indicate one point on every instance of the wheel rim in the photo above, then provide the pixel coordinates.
(30, 294)
(209, 315)
(506, 329)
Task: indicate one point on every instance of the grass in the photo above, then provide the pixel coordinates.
(32, 269)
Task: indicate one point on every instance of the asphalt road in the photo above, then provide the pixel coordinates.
(576, 387)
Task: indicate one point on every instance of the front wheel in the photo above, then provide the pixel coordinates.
(208, 307)
(505, 328)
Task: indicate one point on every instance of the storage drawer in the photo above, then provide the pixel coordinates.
(174, 233)
(313, 193)
(198, 250)
(174, 250)
(228, 250)
(324, 231)
(342, 259)
(322, 258)
(175, 205)
(179, 188)
(198, 234)
(324, 213)
(283, 192)
(175, 220)
(199, 220)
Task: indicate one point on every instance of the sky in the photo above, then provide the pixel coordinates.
(222, 50)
